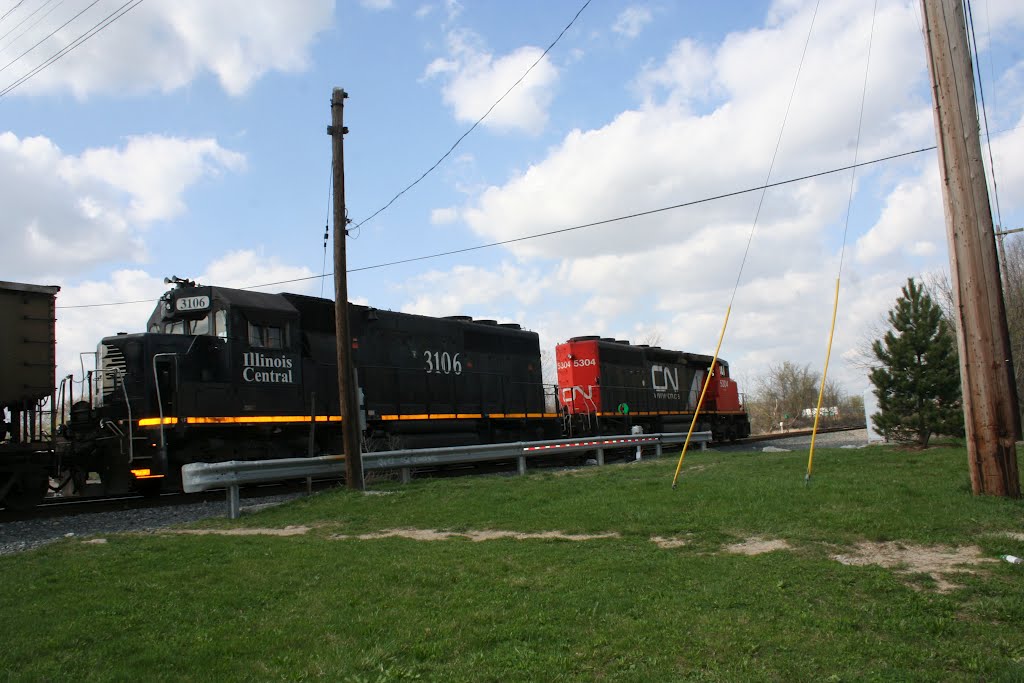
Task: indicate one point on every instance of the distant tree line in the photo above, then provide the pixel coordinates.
(786, 396)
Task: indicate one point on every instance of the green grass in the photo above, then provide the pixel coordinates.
(158, 607)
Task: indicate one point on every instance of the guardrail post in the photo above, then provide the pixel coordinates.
(522, 465)
(657, 449)
(234, 504)
(406, 474)
(703, 445)
(600, 456)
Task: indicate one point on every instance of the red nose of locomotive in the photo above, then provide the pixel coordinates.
(578, 375)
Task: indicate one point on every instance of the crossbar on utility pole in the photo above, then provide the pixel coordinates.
(991, 417)
(346, 378)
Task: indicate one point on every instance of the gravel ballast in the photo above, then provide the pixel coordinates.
(19, 535)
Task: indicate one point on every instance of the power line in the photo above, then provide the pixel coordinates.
(102, 24)
(86, 9)
(16, 6)
(35, 12)
(478, 121)
(984, 113)
(559, 231)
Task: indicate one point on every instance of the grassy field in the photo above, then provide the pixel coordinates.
(327, 603)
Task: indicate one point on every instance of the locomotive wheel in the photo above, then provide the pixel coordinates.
(28, 491)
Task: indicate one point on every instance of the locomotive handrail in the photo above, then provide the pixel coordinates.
(203, 476)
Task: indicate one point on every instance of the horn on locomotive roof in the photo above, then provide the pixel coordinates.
(179, 281)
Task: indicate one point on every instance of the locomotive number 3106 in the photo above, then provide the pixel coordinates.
(442, 363)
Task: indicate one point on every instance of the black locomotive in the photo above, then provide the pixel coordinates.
(233, 374)
(226, 374)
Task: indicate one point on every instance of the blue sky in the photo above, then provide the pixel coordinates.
(188, 138)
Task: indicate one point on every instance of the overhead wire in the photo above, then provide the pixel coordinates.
(478, 121)
(36, 11)
(548, 233)
(77, 42)
(842, 251)
(49, 35)
(16, 6)
(746, 251)
(984, 114)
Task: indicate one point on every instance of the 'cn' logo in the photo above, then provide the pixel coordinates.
(664, 379)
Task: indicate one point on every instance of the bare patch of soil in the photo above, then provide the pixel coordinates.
(756, 545)
(936, 561)
(287, 531)
(1015, 535)
(475, 536)
(669, 541)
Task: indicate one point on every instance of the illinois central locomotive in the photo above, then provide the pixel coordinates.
(227, 374)
(232, 374)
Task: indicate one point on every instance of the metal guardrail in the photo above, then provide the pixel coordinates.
(203, 476)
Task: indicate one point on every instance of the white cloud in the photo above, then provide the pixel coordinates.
(470, 290)
(632, 20)
(166, 45)
(911, 223)
(65, 213)
(377, 5)
(444, 216)
(685, 74)
(474, 79)
(669, 151)
(247, 268)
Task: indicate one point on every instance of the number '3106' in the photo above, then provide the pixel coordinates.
(442, 363)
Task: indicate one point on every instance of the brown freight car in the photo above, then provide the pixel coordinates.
(27, 373)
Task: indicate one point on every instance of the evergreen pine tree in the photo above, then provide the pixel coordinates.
(918, 383)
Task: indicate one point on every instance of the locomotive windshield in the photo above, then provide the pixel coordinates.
(214, 324)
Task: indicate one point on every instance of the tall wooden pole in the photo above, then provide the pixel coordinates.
(346, 378)
(986, 368)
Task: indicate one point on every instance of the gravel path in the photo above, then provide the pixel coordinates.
(16, 536)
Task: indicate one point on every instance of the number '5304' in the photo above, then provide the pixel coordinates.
(442, 363)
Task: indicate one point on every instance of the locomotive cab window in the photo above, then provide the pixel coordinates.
(220, 327)
(267, 336)
(213, 324)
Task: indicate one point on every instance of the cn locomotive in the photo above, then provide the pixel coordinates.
(228, 374)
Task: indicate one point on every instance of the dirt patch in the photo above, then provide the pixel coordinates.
(756, 545)
(287, 531)
(1015, 535)
(475, 536)
(937, 561)
(669, 541)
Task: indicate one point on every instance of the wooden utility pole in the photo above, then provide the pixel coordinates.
(346, 378)
(986, 369)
